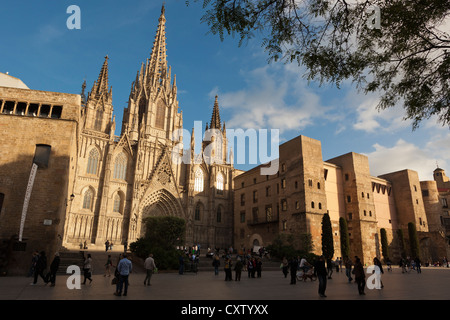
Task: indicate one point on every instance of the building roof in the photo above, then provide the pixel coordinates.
(9, 81)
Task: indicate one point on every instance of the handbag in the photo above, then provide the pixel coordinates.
(114, 281)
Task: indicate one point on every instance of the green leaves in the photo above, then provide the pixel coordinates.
(407, 57)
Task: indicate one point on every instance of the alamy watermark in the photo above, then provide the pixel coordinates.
(261, 146)
(74, 20)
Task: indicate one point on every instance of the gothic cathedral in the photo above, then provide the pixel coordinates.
(121, 180)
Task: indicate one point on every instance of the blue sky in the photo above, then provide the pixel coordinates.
(37, 47)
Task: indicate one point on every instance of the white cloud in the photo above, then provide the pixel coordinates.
(275, 97)
(403, 155)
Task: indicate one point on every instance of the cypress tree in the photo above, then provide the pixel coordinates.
(345, 242)
(384, 244)
(327, 237)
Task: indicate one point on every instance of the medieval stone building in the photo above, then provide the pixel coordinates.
(293, 201)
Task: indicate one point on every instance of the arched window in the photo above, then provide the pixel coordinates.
(88, 199)
(120, 167)
(117, 203)
(199, 181)
(160, 115)
(93, 159)
(198, 209)
(219, 183)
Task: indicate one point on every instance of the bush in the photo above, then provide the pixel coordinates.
(162, 236)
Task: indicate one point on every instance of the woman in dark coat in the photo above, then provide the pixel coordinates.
(41, 265)
(360, 276)
(51, 277)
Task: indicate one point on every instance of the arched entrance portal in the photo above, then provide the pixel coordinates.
(159, 203)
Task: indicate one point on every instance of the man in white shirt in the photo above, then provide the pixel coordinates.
(150, 266)
(124, 268)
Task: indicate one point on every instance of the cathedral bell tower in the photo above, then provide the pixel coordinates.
(98, 108)
(152, 105)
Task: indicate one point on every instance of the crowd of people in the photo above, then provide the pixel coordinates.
(237, 262)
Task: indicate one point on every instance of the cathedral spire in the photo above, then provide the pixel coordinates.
(101, 85)
(158, 57)
(215, 118)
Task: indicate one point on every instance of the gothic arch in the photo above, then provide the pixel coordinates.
(159, 203)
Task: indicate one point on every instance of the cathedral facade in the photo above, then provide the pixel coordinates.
(121, 180)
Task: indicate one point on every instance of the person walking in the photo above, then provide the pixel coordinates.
(348, 269)
(322, 274)
(87, 269)
(251, 267)
(150, 266)
(258, 268)
(108, 266)
(238, 269)
(330, 265)
(51, 277)
(41, 265)
(106, 245)
(293, 266)
(418, 265)
(227, 269)
(216, 264)
(377, 262)
(360, 276)
(285, 266)
(34, 260)
(124, 269)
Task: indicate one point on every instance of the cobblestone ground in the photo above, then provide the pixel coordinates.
(431, 284)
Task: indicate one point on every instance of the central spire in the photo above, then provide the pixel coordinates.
(215, 118)
(157, 68)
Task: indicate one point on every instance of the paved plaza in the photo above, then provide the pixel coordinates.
(432, 284)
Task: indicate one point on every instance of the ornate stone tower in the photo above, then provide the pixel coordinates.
(153, 106)
(98, 111)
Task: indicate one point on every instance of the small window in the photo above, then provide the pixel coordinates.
(45, 111)
(283, 205)
(21, 108)
(346, 177)
(33, 109)
(255, 196)
(255, 213)
(312, 204)
(42, 155)
(349, 199)
(56, 112)
(242, 216)
(242, 199)
(283, 183)
(269, 216)
(8, 108)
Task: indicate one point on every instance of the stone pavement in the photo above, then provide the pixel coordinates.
(431, 284)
